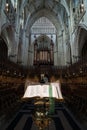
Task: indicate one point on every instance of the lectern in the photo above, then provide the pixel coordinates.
(43, 96)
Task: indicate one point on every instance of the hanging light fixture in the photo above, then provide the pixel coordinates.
(82, 7)
(7, 6)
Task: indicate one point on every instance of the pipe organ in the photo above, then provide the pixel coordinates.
(43, 55)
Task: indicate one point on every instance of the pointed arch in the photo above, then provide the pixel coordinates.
(46, 13)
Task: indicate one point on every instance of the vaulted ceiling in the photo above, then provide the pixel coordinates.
(57, 11)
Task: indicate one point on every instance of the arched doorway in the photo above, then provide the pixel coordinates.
(3, 50)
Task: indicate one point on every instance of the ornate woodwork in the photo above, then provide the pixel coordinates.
(43, 55)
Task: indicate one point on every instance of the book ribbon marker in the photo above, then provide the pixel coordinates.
(51, 100)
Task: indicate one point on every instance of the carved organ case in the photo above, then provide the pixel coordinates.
(43, 52)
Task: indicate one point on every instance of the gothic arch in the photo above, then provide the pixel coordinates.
(46, 13)
(8, 34)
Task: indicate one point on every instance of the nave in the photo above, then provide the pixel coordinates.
(61, 120)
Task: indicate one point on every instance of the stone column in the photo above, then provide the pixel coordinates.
(63, 48)
(57, 48)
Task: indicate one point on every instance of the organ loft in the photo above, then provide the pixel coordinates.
(43, 64)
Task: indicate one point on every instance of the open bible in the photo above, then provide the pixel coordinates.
(43, 90)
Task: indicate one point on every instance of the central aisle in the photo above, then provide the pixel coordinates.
(61, 120)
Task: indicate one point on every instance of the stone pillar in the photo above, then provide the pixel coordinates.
(59, 37)
(25, 48)
(17, 32)
(57, 49)
(28, 61)
(71, 28)
(63, 48)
